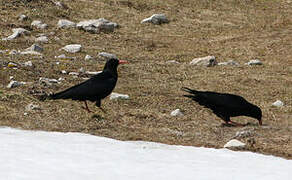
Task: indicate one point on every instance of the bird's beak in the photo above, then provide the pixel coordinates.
(123, 62)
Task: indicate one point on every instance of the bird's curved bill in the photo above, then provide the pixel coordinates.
(123, 62)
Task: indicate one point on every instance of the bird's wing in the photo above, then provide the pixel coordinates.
(98, 86)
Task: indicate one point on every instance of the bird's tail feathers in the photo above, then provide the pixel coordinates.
(189, 90)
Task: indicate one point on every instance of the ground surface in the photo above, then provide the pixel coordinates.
(227, 29)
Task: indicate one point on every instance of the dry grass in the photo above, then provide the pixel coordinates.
(228, 29)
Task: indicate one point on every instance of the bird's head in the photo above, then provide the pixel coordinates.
(113, 63)
(256, 113)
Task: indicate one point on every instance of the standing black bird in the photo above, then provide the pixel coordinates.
(225, 105)
(96, 88)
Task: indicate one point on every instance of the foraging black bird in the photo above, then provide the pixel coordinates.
(96, 88)
(225, 105)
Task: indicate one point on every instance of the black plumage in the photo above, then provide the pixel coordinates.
(225, 105)
(94, 89)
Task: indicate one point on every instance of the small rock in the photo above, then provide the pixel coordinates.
(35, 47)
(11, 77)
(234, 143)
(230, 62)
(42, 39)
(60, 79)
(278, 103)
(16, 33)
(176, 112)
(72, 48)
(87, 57)
(106, 55)
(64, 72)
(207, 61)
(22, 17)
(11, 65)
(114, 96)
(39, 24)
(14, 52)
(28, 63)
(31, 53)
(74, 73)
(62, 56)
(64, 23)
(172, 62)
(47, 81)
(254, 62)
(156, 19)
(25, 114)
(31, 107)
(92, 72)
(97, 25)
(14, 84)
(60, 4)
(82, 70)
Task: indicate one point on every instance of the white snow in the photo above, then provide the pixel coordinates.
(35, 155)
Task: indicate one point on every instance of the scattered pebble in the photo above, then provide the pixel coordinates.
(114, 96)
(74, 73)
(156, 19)
(11, 65)
(64, 72)
(28, 63)
(14, 84)
(34, 47)
(97, 25)
(22, 17)
(172, 62)
(278, 103)
(106, 55)
(207, 61)
(72, 48)
(16, 33)
(234, 143)
(64, 23)
(176, 112)
(31, 107)
(39, 24)
(92, 72)
(42, 39)
(254, 62)
(88, 57)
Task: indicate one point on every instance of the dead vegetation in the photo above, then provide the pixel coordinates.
(228, 29)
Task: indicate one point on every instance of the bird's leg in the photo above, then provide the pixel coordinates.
(98, 104)
(86, 107)
(228, 122)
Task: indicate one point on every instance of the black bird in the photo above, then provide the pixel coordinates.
(225, 105)
(96, 88)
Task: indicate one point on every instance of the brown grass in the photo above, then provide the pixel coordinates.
(227, 29)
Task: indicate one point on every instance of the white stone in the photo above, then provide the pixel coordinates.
(156, 19)
(254, 62)
(48, 81)
(39, 24)
(176, 112)
(42, 39)
(234, 143)
(64, 23)
(114, 96)
(16, 33)
(14, 52)
(14, 84)
(31, 53)
(92, 72)
(22, 17)
(72, 48)
(208, 61)
(87, 57)
(230, 62)
(107, 56)
(64, 72)
(74, 73)
(278, 103)
(31, 107)
(60, 56)
(28, 63)
(97, 25)
(35, 47)
(172, 62)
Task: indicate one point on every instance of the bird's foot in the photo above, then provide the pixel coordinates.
(233, 124)
(102, 110)
(87, 109)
